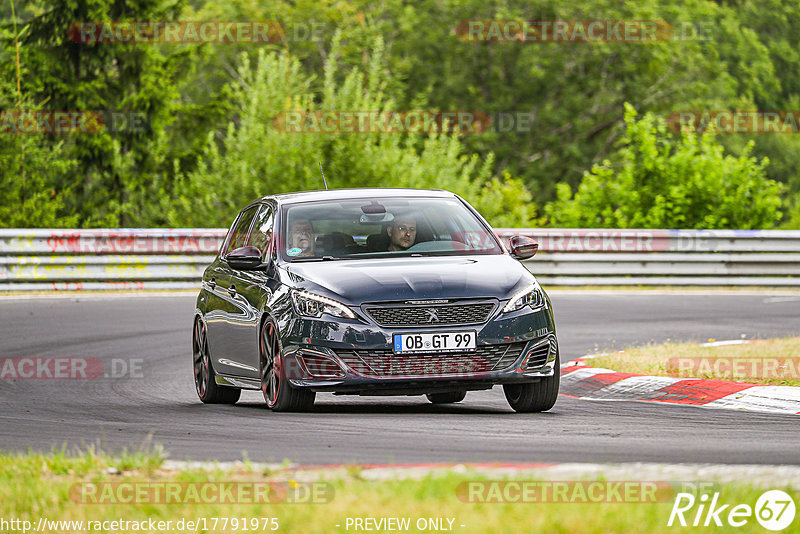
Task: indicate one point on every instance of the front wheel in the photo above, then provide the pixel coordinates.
(535, 396)
(204, 378)
(279, 394)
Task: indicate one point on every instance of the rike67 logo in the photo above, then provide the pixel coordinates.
(774, 510)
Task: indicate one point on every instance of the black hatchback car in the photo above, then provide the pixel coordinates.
(372, 292)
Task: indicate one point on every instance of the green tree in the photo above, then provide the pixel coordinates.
(29, 174)
(64, 74)
(658, 181)
(205, 122)
(574, 91)
(763, 56)
(32, 167)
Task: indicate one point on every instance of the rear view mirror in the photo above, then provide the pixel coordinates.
(244, 258)
(376, 218)
(373, 208)
(523, 247)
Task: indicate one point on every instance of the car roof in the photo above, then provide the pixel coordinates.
(357, 193)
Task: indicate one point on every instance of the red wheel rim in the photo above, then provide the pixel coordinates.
(270, 364)
(201, 359)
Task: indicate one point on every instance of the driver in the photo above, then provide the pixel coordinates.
(402, 233)
(301, 239)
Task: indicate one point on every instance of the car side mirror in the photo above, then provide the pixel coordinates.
(244, 258)
(523, 247)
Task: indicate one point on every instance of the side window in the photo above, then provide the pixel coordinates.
(262, 229)
(238, 236)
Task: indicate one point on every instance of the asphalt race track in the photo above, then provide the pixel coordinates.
(158, 403)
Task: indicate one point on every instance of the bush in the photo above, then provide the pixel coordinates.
(255, 158)
(660, 181)
(792, 215)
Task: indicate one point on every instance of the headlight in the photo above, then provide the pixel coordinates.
(311, 305)
(530, 296)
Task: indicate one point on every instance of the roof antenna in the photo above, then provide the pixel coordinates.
(323, 176)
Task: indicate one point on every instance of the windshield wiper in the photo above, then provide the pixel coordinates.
(323, 258)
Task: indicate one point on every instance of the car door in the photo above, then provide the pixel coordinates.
(249, 290)
(221, 318)
(213, 299)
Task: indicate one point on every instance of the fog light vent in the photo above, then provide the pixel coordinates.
(539, 355)
(321, 367)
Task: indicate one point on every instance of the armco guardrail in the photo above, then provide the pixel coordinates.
(665, 257)
(129, 258)
(175, 258)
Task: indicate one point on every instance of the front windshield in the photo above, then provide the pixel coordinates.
(378, 227)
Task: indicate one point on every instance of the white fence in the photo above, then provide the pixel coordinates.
(43, 259)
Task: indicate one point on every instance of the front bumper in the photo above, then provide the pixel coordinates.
(353, 357)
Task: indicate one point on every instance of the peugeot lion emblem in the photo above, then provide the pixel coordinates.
(432, 316)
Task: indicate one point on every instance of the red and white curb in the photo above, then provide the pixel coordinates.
(581, 380)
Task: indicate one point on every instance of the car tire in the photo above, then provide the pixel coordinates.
(279, 394)
(535, 396)
(204, 376)
(446, 398)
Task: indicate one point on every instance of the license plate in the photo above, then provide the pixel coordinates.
(438, 342)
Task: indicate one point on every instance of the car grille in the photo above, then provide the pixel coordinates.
(537, 357)
(440, 315)
(385, 363)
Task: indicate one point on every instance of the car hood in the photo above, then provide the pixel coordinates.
(387, 279)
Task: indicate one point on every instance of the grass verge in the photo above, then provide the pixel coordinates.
(34, 486)
(774, 362)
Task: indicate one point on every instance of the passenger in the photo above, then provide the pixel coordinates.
(301, 239)
(402, 233)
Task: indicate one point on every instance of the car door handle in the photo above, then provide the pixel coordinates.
(232, 291)
(212, 283)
